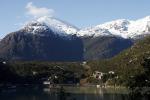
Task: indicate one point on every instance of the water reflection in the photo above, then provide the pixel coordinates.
(65, 93)
(86, 93)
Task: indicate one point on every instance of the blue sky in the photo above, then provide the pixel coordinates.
(81, 13)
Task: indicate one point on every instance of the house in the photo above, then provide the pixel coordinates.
(111, 72)
(2, 61)
(84, 63)
(98, 75)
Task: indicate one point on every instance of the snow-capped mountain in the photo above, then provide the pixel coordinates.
(46, 38)
(122, 28)
(48, 23)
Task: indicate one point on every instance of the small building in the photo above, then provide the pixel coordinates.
(98, 75)
(84, 63)
(111, 72)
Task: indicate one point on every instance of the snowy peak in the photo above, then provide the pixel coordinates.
(110, 28)
(48, 23)
(117, 27)
(140, 26)
(58, 25)
(122, 28)
(120, 24)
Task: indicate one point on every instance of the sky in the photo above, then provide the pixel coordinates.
(81, 13)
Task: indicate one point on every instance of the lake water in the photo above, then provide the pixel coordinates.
(67, 93)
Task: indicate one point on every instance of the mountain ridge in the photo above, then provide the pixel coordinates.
(51, 39)
(121, 27)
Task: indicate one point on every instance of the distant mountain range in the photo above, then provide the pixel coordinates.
(51, 39)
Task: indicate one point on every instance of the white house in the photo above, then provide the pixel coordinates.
(98, 75)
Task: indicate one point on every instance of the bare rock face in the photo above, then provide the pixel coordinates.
(45, 45)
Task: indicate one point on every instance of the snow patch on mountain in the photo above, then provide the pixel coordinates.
(35, 27)
(139, 27)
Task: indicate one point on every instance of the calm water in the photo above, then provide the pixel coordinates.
(67, 93)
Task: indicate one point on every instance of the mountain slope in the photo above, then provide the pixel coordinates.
(44, 45)
(104, 47)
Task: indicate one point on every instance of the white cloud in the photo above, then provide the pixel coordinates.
(38, 12)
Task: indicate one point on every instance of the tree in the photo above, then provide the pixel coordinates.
(140, 83)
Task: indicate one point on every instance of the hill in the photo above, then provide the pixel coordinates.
(127, 64)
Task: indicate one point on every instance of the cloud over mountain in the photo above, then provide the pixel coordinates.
(35, 11)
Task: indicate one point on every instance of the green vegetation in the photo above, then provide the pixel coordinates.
(36, 72)
(128, 63)
(132, 67)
